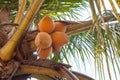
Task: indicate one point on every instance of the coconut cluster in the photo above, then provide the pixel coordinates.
(50, 38)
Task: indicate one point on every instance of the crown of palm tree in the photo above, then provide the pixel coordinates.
(95, 41)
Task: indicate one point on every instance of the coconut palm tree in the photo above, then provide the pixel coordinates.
(95, 40)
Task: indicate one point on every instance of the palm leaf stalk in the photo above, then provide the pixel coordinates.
(103, 4)
(19, 15)
(6, 51)
(115, 48)
(106, 28)
(112, 40)
(118, 3)
(102, 73)
(108, 55)
(20, 12)
(83, 26)
(37, 71)
(100, 38)
(115, 11)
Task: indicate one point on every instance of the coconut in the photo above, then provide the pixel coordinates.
(44, 53)
(59, 39)
(43, 40)
(59, 26)
(46, 25)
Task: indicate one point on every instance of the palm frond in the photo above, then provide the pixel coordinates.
(102, 46)
(62, 9)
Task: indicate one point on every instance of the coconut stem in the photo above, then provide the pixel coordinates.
(19, 15)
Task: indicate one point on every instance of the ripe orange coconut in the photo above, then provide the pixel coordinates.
(43, 40)
(59, 26)
(44, 53)
(46, 25)
(59, 39)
